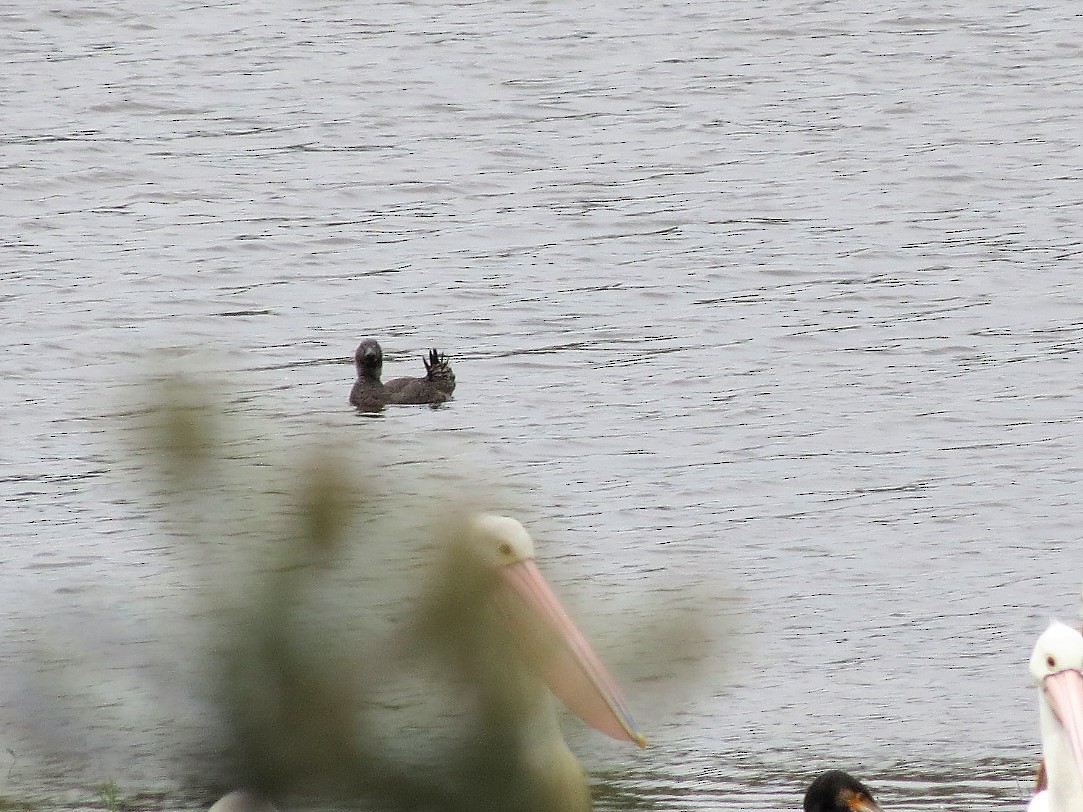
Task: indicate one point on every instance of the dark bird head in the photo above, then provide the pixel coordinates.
(438, 371)
(369, 359)
(836, 791)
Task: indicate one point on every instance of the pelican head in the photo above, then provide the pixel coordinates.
(500, 540)
(567, 664)
(1057, 666)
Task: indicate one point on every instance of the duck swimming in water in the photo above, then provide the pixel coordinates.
(370, 394)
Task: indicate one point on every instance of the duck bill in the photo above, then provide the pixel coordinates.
(565, 659)
(1064, 691)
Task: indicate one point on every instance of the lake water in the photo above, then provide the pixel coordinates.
(770, 307)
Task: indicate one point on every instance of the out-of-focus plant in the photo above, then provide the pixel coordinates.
(354, 651)
(109, 793)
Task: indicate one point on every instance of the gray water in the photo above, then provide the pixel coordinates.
(773, 304)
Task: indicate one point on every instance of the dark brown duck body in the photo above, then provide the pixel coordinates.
(371, 395)
(435, 387)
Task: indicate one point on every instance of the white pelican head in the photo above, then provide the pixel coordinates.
(569, 665)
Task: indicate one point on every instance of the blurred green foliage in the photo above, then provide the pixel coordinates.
(326, 592)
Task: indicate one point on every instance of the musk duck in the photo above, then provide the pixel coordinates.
(370, 394)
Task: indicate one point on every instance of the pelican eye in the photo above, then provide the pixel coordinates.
(504, 548)
(1051, 661)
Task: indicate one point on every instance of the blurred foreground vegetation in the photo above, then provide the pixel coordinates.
(349, 652)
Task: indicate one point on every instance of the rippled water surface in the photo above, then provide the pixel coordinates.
(778, 296)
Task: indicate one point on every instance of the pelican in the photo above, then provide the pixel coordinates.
(837, 791)
(546, 648)
(1057, 666)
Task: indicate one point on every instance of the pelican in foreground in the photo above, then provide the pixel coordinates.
(494, 621)
(838, 791)
(1057, 666)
